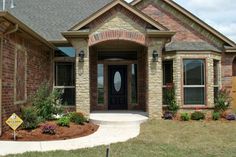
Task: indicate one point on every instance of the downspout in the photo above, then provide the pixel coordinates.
(1, 64)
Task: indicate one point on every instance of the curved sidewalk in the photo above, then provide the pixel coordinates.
(107, 133)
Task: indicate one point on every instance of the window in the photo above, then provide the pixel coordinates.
(167, 76)
(65, 81)
(194, 81)
(134, 84)
(100, 83)
(216, 77)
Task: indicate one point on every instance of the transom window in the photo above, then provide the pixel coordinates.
(194, 81)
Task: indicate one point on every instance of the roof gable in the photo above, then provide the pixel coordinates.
(113, 4)
(192, 17)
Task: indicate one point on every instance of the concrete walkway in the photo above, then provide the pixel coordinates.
(114, 127)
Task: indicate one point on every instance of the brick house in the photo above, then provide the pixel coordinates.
(111, 55)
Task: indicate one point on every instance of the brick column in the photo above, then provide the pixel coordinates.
(154, 101)
(82, 83)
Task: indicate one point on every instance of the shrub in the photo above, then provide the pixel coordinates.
(64, 121)
(170, 99)
(197, 115)
(231, 117)
(222, 101)
(49, 129)
(30, 118)
(168, 115)
(47, 103)
(185, 117)
(77, 118)
(215, 115)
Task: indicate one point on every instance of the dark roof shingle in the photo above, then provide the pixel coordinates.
(51, 17)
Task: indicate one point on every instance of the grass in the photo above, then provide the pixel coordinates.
(166, 139)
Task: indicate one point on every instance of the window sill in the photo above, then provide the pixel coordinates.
(196, 107)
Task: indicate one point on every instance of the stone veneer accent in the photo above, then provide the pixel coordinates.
(82, 83)
(209, 74)
(154, 101)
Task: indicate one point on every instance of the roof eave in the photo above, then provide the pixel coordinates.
(111, 5)
(9, 17)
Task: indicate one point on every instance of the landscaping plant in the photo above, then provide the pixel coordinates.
(64, 121)
(215, 115)
(170, 101)
(30, 118)
(168, 115)
(231, 117)
(222, 101)
(185, 117)
(49, 129)
(47, 103)
(77, 118)
(197, 115)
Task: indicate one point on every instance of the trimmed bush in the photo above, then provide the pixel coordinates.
(77, 118)
(185, 117)
(30, 118)
(197, 115)
(49, 129)
(64, 121)
(215, 115)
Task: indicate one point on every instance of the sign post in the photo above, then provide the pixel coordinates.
(14, 122)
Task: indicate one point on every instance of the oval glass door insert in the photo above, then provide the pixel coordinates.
(117, 81)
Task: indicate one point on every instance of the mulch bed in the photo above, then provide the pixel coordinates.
(62, 133)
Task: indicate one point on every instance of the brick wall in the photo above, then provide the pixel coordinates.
(227, 69)
(37, 70)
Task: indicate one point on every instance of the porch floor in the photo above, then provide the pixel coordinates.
(118, 117)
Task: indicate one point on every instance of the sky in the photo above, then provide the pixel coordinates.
(220, 14)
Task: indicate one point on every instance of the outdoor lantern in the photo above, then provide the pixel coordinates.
(155, 56)
(81, 56)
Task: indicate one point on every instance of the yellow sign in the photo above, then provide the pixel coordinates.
(14, 121)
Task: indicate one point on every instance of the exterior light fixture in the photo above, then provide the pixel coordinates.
(81, 56)
(155, 56)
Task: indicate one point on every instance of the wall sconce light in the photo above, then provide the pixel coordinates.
(155, 56)
(81, 56)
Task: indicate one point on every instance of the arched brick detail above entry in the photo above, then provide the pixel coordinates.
(117, 35)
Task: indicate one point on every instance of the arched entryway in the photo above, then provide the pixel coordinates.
(234, 83)
(118, 75)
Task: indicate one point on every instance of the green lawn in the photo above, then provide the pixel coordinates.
(167, 139)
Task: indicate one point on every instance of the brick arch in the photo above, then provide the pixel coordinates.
(234, 66)
(117, 35)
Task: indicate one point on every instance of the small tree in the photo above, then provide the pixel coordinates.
(170, 99)
(47, 102)
(222, 101)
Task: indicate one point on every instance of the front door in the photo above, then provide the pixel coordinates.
(117, 87)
